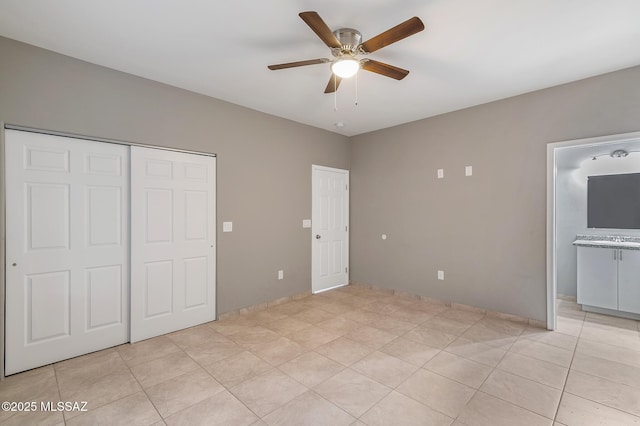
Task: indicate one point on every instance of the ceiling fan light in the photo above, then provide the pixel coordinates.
(345, 68)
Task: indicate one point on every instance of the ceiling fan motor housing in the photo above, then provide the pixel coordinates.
(350, 40)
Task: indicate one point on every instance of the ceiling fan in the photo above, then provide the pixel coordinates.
(345, 45)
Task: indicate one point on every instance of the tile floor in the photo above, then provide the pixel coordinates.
(353, 356)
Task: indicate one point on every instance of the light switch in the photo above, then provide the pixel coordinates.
(468, 171)
(441, 275)
(280, 274)
(227, 226)
(306, 223)
(440, 173)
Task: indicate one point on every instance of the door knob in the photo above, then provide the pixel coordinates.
(318, 236)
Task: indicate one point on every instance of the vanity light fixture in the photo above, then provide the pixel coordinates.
(619, 153)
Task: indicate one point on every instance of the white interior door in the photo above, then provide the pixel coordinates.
(66, 249)
(172, 241)
(330, 228)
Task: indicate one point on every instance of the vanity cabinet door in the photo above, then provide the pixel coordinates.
(598, 277)
(629, 281)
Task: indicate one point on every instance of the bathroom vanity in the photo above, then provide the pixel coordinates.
(609, 274)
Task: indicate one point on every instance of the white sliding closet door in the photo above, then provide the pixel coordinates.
(172, 241)
(66, 249)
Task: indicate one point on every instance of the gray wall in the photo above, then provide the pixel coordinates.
(264, 162)
(488, 231)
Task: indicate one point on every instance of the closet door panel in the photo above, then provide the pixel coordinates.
(67, 269)
(172, 241)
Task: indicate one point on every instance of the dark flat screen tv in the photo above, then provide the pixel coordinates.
(613, 201)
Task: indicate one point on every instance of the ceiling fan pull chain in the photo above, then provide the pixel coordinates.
(335, 94)
(356, 89)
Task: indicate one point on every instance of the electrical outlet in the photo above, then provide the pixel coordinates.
(280, 274)
(468, 171)
(441, 275)
(440, 173)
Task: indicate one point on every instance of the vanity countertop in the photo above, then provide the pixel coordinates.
(604, 241)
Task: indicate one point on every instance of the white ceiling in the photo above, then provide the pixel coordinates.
(471, 52)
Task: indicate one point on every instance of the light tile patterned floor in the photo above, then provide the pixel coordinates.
(353, 356)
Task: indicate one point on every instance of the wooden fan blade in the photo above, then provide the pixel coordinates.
(334, 82)
(397, 33)
(298, 64)
(315, 22)
(384, 69)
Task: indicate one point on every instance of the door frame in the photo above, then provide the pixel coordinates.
(3, 253)
(315, 167)
(3, 202)
(552, 150)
